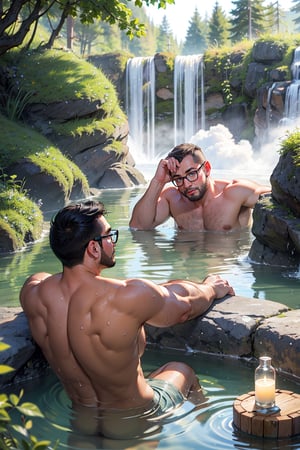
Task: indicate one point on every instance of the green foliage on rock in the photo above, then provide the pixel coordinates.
(219, 66)
(77, 128)
(20, 218)
(63, 77)
(57, 75)
(21, 142)
(291, 144)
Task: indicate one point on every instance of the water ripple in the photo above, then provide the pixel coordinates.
(208, 426)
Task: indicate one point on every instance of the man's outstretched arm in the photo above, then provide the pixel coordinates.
(172, 302)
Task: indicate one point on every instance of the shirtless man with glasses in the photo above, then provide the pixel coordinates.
(91, 328)
(195, 201)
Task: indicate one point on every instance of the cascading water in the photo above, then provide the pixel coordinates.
(140, 104)
(292, 97)
(188, 78)
(295, 68)
(292, 101)
(217, 142)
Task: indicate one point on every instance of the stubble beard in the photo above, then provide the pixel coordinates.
(107, 261)
(198, 195)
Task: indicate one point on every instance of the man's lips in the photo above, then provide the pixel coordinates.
(191, 191)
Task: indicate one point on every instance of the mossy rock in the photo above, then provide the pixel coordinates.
(21, 220)
(48, 176)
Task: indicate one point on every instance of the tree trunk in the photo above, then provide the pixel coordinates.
(70, 32)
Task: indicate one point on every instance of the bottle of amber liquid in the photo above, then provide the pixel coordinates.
(265, 380)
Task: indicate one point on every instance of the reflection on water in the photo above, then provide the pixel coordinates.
(160, 255)
(206, 427)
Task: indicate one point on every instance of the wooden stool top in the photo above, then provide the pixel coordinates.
(282, 424)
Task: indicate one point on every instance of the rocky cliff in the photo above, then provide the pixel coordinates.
(276, 217)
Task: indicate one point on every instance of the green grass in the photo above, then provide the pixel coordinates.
(57, 76)
(291, 144)
(20, 217)
(77, 128)
(18, 142)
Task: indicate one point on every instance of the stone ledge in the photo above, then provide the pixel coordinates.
(234, 326)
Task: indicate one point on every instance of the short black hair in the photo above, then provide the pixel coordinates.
(72, 228)
(181, 151)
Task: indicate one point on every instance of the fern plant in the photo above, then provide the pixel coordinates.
(10, 431)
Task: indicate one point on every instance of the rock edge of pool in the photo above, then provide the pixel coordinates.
(234, 326)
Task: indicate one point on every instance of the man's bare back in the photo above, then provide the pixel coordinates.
(91, 328)
(195, 200)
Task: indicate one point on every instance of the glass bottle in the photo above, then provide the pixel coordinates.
(265, 380)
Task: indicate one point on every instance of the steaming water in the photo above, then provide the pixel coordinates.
(229, 159)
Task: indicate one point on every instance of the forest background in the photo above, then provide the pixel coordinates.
(104, 26)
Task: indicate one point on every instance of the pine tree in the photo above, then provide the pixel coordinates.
(272, 17)
(195, 41)
(218, 34)
(165, 36)
(296, 10)
(247, 19)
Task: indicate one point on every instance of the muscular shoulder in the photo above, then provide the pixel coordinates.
(139, 297)
(171, 195)
(136, 289)
(34, 287)
(36, 278)
(245, 191)
(235, 187)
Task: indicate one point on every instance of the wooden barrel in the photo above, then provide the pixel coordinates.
(283, 424)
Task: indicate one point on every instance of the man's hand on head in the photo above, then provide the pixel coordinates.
(165, 168)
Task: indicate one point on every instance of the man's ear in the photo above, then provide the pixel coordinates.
(94, 249)
(207, 168)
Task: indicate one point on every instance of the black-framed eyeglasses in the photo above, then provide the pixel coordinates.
(113, 235)
(191, 176)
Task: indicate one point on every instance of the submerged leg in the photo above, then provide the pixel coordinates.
(180, 375)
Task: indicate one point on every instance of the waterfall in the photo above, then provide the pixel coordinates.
(140, 104)
(295, 67)
(268, 108)
(292, 97)
(188, 71)
(292, 101)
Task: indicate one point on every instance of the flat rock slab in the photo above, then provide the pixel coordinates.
(235, 326)
(227, 328)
